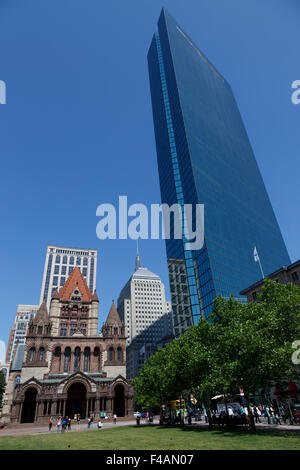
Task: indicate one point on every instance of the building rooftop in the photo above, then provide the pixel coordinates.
(273, 274)
(144, 273)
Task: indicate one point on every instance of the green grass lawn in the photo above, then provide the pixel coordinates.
(156, 438)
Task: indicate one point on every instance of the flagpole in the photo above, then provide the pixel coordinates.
(261, 269)
(257, 258)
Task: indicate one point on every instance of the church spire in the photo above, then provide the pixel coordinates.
(137, 258)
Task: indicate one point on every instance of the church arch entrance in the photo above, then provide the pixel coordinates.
(29, 406)
(119, 401)
(76, 401)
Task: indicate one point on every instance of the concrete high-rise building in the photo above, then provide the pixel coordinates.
(147, 315)
(205, 157)
(18, 332)
(59, 264)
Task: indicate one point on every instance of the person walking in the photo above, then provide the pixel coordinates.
(257, 414)
(99, 424)
(69, 422)
(268, 414)
(272, 414)
(277, 417)
(58, 424)
(50, 423)
(63, 424)
(115, 418)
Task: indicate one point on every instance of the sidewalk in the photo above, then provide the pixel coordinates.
(24, 429)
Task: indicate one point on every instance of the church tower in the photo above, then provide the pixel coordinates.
(74, 308)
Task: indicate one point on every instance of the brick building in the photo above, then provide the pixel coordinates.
(65, 367)
(283, 275)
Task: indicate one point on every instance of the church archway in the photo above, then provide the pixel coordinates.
(119, 400)
(29, 406)
(76, 401)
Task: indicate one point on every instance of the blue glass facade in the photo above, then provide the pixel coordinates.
(204, 156)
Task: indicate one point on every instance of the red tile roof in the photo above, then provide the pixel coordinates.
(75, 279)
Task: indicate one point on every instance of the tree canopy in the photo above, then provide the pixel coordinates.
(246, 346)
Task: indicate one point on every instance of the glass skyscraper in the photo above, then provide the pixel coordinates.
(204, 156)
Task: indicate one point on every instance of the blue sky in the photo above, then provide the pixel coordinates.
(77, 128)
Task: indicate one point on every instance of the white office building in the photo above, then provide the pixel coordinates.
(18, 332)
(147, 315)
(59, 264)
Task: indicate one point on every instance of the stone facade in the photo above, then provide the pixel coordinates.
(284, 275)
(68, 369)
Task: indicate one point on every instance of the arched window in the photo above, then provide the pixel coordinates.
(42, 351)
(40, 329)
(97, 355)
(116, 331)
(119, 354)
(85, 261)
(17, 380)
(65, 260)
(31, 354)
(78, 261)
(67, 359)
(111, 354)
(57, 356)
(57, 259)
(76, 359)
(71, 260)
(86, 364)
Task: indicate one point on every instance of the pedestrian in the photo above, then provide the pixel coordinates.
(272, 414)
(115, 418)
(268, 414)
(257, 414)
(58, 424)
(277, 417)
(63, 424)
(50, 423)
(99, 424)
(69, 422)
(78, 420)
(89, 423)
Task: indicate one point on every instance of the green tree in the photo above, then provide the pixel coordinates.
(254, 341)
(242, 345)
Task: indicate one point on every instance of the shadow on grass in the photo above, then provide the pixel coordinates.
(226, 431)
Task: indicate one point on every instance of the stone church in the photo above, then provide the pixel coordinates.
(66, 368)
